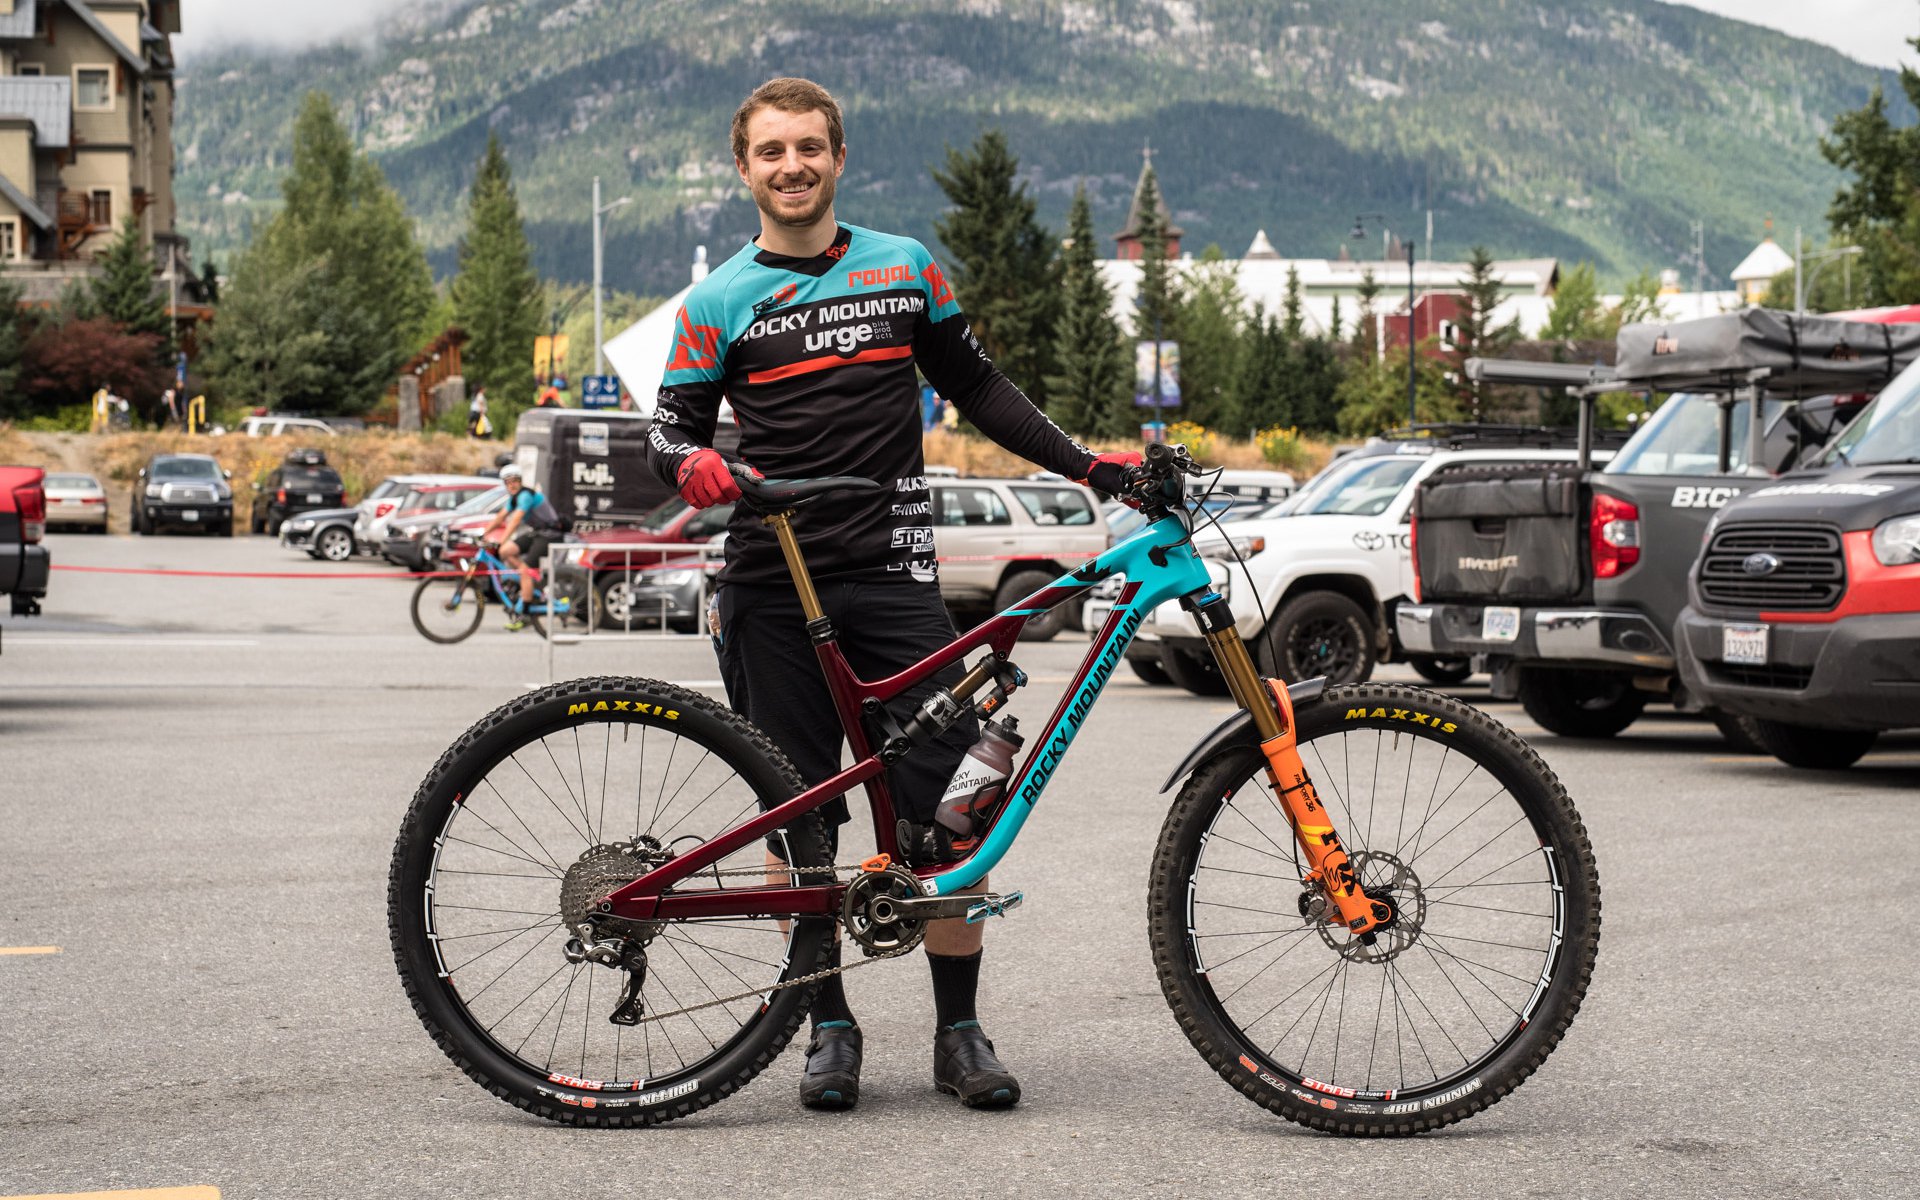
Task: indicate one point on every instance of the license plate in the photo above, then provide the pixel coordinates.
(1744, 644)
(314, 497)
(1499, 624)
(190, 514)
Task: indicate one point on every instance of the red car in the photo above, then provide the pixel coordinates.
(23, 523)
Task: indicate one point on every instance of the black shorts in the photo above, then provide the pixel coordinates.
(773, 678)
(533, 545)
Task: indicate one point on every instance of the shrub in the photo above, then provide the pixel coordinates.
(1282, 446)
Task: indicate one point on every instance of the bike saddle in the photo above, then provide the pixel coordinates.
(785, 493)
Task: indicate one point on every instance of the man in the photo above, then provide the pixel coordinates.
(477, 423)
(812, 331)
(523, 530)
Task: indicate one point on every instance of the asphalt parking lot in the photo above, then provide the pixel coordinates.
(203, 777)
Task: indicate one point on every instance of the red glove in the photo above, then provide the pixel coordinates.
(1107, 472)
(705, 479)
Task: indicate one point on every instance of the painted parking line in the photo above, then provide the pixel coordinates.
(29, 949)
(117, 640)
(146, 1193)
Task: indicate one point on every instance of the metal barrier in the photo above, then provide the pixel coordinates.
(647, 591)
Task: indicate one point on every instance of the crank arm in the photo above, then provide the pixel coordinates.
(974, 908)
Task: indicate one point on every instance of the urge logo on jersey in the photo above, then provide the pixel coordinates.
(695, 347)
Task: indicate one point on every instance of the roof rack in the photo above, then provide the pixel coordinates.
(1483, 435)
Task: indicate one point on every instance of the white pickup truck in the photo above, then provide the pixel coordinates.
(1320, 583)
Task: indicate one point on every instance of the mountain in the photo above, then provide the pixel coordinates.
(1582, 129)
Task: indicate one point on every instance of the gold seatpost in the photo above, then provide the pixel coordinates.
(796, 566)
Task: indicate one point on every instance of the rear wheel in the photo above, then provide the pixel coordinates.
(334, 543)
(547, 804)
(1459, 826)
(1017, 587)
(1738, 730)
(448, 610)
(1149, 670)
(1813, 749)
(1444, 671)
(1196, 673)
(1581, 704)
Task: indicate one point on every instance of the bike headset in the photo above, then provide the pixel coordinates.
(1193, 509)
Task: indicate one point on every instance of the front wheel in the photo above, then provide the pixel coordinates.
(448, 610)
(1197, 673)
(1317, 634)
(334, 544)
(550, 802)
(1459, 826)
(1580, 703)
(1813, 749)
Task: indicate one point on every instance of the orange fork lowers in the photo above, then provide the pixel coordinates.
(1313, 828)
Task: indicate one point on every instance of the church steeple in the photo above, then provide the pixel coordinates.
(1146, 193)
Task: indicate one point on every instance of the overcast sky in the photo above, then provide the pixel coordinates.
(1873, 31)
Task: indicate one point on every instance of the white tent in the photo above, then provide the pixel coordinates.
(639, 352)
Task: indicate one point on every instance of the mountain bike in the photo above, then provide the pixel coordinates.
(1373, 909)
(448, 608)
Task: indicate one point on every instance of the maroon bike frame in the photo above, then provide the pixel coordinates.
(641, 900)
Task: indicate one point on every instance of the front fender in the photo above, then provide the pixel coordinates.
(1237, 730)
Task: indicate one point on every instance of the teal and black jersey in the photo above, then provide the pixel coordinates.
(817, 356)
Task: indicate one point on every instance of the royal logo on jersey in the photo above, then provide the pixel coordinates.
(695, 347)
(901, 273)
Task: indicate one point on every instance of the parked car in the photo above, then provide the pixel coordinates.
(384, 499)
(326, 533)
(999, 540)
(273, 425)
(1565, 585)
(76, 501)
(302, 483)
(410, 537)
(24, 562)
(1803, 614)
(183, 490)
(673, 591)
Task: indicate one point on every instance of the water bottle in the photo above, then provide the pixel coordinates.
(981, 778)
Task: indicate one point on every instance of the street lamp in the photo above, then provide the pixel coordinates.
(599, 359)
(1359, 234)
(1802, 280)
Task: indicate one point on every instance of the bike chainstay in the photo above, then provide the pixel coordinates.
(813, 977)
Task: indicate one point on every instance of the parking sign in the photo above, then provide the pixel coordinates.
(599, 391)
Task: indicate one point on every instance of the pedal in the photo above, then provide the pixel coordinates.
(994, 906)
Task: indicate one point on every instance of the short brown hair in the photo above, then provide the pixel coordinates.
(789, 95)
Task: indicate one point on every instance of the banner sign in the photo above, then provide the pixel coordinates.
(1166, 357)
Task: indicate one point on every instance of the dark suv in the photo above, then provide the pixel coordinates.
(301, 483)
(183, 490)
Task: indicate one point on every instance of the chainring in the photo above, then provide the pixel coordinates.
(882, 933)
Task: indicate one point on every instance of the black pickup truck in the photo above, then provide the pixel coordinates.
(1564, 584)
(1805, 602)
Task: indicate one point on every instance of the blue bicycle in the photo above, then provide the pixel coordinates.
(447, 608)
(1373, 909)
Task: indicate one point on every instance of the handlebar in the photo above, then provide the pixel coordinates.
(1159, 484)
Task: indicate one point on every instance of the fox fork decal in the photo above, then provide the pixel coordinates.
(1313, 826)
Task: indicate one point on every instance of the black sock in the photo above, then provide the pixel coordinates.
(955, 980)
(830, 1004)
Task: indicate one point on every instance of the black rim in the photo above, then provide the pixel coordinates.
(1323, 646)
(493, 919)
(1446, 996)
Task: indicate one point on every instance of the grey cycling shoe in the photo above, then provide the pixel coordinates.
(831, 1079)
(964, 1065)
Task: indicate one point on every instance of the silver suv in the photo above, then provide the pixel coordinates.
(1002, 539)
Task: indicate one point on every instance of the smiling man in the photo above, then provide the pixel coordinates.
(813, 331)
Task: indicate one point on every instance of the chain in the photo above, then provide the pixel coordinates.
(803, 980)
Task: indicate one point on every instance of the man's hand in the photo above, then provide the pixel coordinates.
(705, 480)
(1108, 473)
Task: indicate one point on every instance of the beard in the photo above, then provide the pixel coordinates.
(782, 212)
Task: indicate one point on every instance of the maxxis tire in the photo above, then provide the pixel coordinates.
(1195, 674)
(1813, 749)
(1017, 587)
(1219, 1042)
(478, 600)
(1317, 634)
(1443, 671)
(1580, 704)
(476, 751)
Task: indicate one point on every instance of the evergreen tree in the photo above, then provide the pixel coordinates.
(269, 346)
(1001, 262)
(1265, 393)
(1478, 335)
(1366, 332)
(497, 296)
(345, 236)
(1373, 396)
(1091, 392)
(1293, 321)
(210, 282)
(1210, 330)
(1575, 313)
(1878, 209)
(1640, 302)
(1336, 322)
(123, 291)
(1158, 301)
(12, 344)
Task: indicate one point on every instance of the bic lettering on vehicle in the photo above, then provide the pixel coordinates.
(1703, 497)
(636, 706)
(1402, 714)
(902, 273)
(695, 347)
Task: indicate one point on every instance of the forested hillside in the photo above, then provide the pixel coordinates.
(1585, 129)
